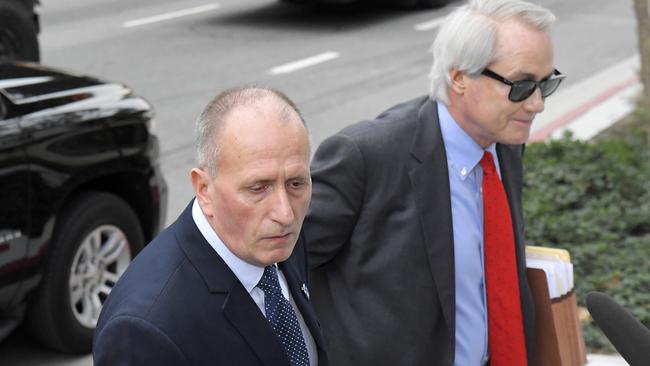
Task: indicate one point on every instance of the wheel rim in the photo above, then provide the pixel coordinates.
(98, 263)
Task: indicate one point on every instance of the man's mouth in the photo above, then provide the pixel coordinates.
(278, 237)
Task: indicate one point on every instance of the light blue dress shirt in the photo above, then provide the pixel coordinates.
(465, 180)
(250, 275)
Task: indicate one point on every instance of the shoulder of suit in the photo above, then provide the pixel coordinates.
(397, 121)
(153, 270)
(113, 343)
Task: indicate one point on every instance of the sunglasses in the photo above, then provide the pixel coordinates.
(522, 89)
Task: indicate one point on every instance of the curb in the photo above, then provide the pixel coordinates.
(605, 360)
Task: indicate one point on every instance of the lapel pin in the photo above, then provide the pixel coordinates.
(305, 291)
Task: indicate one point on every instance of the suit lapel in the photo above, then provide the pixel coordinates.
(238, 307)
(244, 315)
(303, 304)
(430, 181)
(511, 172)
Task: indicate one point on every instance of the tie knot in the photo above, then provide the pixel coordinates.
(487, 163)
(269, 282)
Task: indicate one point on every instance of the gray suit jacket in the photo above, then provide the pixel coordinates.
(380, 240)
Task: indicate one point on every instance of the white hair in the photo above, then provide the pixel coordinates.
(467, 39)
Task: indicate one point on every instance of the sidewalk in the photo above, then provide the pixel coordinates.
(605, 360)
(591, 105)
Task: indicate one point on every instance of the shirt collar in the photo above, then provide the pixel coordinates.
(463, 152)
(248, 274)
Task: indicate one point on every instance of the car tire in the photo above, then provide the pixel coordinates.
(94, 240)
(18, 32)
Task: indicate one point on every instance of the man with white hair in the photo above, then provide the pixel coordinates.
(415, 229)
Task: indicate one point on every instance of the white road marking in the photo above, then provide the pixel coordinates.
(171, 15)
(305, 62)
(434, 23)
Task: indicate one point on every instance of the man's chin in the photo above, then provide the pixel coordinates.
(517, 139)
(277, 255)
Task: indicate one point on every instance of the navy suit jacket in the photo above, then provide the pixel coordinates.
(179, 304)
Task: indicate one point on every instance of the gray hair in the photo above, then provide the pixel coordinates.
(213, 117)
(467, 39)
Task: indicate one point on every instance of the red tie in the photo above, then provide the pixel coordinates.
(505, 326)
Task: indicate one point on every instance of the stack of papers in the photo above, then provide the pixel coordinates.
(558, 336)
(557, 266)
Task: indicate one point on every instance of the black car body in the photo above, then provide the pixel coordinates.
(80, 194)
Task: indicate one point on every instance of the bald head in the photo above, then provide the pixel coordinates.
(253, 183)
(228, 108)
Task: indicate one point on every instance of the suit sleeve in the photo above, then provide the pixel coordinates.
(338, 172)
(131, 341)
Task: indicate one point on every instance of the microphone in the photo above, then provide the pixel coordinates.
(630, 338)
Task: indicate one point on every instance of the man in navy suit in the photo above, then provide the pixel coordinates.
(226, 284)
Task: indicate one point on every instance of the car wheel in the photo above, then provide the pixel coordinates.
(94, 241)
(18, 33)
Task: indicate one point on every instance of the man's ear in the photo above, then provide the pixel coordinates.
(458, 81)
(201, 182)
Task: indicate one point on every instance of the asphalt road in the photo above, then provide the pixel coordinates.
(370, 59)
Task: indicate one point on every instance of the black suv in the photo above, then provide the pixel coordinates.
(80, 194)
(19, 28)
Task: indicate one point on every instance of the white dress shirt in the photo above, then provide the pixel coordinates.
(249, 275)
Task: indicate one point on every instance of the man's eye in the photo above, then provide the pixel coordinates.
(257, 188)
(297, 183)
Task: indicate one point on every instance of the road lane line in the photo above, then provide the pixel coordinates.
(432, 24)
(171, 15)
(305, 62)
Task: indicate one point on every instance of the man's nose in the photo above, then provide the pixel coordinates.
(535, 102)
(281, 210)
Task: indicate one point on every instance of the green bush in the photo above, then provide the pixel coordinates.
(593, 199)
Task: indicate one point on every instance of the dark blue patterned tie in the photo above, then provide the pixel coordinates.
(284, 322)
